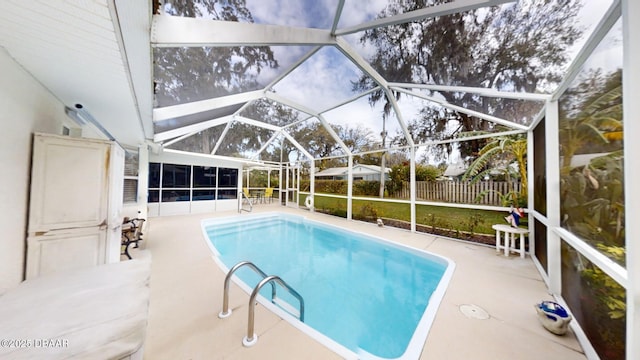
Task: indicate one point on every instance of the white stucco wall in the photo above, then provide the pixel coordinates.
(26, 107)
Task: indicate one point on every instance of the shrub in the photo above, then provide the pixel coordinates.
(339, 187)
(366, 188)
(366, 212)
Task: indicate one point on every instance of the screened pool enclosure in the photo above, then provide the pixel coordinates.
(266, 94)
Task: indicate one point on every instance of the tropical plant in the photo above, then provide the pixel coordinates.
(592, 199)
(598, 302)
(401, 173)
(592, 203)
(610, 292)
(606, 303)
(508, 150)
(591, 114)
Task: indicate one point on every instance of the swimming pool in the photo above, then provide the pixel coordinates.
(365, 297)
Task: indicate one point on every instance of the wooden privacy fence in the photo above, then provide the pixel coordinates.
(460, 192)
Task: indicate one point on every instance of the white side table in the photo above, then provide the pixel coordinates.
(509, 238)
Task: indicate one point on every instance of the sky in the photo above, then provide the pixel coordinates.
(324, 80)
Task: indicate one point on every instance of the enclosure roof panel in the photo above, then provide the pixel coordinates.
(172, 71)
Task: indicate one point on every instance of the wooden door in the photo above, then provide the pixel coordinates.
(69, 183)
(75, 205)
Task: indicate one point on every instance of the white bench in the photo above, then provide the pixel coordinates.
(509, 238)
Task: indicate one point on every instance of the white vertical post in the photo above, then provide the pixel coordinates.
(554, 259)
(530, 191)
(190, 188)
(297, 182)
(631, 109)
(412, 187)
(280, 179)
(143, 180)
(280, 189)
(286, 198)
(350, 188)
(312, 183)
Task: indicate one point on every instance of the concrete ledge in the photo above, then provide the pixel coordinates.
(97, 312)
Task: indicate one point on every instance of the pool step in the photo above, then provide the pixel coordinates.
(224, 229)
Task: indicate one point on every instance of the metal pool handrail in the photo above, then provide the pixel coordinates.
(251, 337)
(225, 297)
(240, 208)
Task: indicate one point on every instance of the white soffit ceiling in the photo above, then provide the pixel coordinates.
(75, 49)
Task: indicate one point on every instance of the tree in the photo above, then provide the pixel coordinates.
(187, 74)
(357, 139)
(400, 174)
(518, 47)
(508, 149)
(315, 138)
(202, 142)
(396, 158)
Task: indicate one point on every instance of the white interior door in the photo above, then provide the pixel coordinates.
(76, 202)
(69, 183)
(65, 249)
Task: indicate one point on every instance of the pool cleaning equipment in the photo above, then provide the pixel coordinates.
(553, 317)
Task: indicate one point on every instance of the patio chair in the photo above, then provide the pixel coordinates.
(268, 194)
(247, 194)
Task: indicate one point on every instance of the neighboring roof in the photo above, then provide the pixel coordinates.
(371, 169)
(338, 171)
(500, 169)
(584, 159)
(360, 169)
(456, 169)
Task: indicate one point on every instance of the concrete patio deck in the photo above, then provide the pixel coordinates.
(186, 296)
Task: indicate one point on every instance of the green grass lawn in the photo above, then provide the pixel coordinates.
(469, 220)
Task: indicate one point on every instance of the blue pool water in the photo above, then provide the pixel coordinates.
(371, 296)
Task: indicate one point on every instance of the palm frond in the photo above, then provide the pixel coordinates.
(489, 147)
(479, 176)
(481, 162)
(608, 97)
(594, 131)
